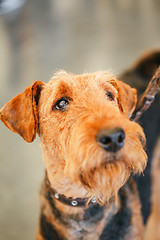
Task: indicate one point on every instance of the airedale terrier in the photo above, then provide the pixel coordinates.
(90, 148)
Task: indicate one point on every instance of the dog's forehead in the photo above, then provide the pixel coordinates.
(87, 80)
(85, 88)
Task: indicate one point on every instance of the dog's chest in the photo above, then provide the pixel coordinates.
(89, 227)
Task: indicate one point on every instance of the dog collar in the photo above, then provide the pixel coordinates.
(74, 202)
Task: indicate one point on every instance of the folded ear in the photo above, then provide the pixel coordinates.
(127, 97)
(20, 114)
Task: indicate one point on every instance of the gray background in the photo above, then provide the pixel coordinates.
(40, 38)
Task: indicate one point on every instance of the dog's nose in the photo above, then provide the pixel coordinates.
(111, 140)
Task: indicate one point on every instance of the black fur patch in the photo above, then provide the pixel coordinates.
(119, 224)
(47, 230)
(55, 211)
(94, 213)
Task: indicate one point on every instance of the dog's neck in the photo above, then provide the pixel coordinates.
(90, 219)
(74, 202)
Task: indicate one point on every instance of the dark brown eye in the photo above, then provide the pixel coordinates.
(110, 96)
(61, 104)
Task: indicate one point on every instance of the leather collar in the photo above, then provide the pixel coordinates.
(74, 202)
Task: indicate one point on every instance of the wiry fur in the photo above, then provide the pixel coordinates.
(74, 152)
(76, 165)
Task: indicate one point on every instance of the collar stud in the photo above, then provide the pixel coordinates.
(74, 203)
(56, 195)
(93, 200)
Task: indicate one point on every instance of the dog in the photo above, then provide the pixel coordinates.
(138, 76)
(90, 149)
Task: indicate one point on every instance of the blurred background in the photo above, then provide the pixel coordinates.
(38, 37)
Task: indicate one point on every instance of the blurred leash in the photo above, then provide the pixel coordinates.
(147, 98)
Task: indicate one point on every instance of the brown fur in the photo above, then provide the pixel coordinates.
(76, 165)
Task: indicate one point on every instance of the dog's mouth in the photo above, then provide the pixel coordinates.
(111, 159)
(109, 162)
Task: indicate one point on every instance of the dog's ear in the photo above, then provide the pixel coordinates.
(20, 114)
(127, 97)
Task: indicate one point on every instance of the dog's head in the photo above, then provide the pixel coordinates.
(86, 134)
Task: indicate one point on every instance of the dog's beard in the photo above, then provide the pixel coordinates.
(102, 173)
(104, 182)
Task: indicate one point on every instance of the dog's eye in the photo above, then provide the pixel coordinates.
(109, 96)
(61, 104)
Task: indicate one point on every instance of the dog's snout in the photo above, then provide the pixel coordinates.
(111, 140)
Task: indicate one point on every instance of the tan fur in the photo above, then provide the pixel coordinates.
(65, 156)
(76, 165)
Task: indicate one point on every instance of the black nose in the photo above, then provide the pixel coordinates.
(111, 140)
